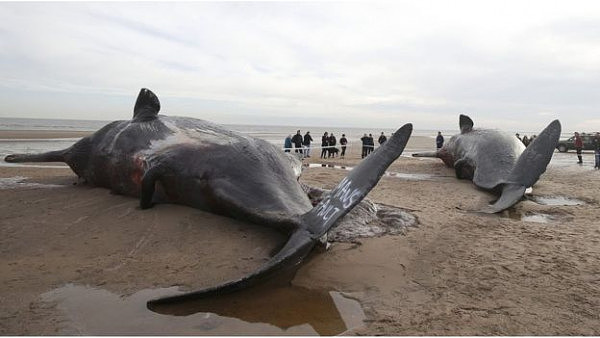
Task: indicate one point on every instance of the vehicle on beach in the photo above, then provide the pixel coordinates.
(565, 145)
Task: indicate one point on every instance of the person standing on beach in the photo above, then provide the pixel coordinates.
(439, 140)
(332, 143)
(518, 136)
(365, 144)
(371, 144)
(525, 140)
(578, 147)
(596, 143)
(307, 140)
(381, 139)
(324, 144)
(287, 144)
(343, 142)
(297, 140)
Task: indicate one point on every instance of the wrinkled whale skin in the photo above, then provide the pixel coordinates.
(194, 158)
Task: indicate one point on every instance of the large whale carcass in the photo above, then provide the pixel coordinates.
(196, 163)
(497, 161)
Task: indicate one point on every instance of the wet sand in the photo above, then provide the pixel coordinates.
(458, 273)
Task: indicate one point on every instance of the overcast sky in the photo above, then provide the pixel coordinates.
(513, 65)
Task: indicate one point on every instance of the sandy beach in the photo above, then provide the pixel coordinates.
(456, 273)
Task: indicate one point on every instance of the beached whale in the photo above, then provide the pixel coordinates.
(197, 163)
(498, 161)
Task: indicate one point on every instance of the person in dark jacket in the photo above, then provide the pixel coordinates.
(371, 144)
(287, 144)
(596, 143)
(332, 148)
(365, 145)
(381, 139)
(307, 140)
(324, 144)
(578, 147)
(439, 140)
(297, 140)
(343, 142)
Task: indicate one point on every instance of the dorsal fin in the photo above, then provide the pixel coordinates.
(146, 107)
(465, 123)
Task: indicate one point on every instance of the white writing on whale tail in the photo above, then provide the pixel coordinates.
(341, 198)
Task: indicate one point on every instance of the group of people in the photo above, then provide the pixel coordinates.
(328, 145)
(302, 144)
(299, 142)
(578, 143)
(526, 140)
(368, 143)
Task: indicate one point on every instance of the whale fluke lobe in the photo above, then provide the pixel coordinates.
(314, 224)
(533, 161)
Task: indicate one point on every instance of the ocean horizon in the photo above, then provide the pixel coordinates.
(274, 134)
(38, 124)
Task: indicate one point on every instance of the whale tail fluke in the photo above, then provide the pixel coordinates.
(529, 167)
(314, 224)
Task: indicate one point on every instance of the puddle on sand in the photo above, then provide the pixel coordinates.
(531, 217)
(276, 311)
(556, 200)
(406, 176)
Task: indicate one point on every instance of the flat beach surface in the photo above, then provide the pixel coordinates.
(457, 273)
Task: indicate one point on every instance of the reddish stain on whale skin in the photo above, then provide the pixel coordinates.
(138, 171)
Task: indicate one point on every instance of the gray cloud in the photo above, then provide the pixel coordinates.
(509, 64)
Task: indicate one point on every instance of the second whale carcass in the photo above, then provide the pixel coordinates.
(497, 161)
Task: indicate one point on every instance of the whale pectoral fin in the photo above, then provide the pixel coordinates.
(315, 223)
(465, 123)
(146, 107)
(148, 187)
(511, 194)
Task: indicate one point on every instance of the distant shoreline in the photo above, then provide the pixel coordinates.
(42, 134)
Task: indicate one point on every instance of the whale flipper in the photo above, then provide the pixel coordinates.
(529, 167)
(314, 224)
